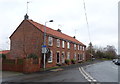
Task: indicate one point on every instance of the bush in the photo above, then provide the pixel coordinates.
(34, 56)
(73, 61)
(67, 61)
(58, 64)
(3, 56)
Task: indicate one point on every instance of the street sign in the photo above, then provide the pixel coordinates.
(44, 50)
(47, 50)
(44, 46)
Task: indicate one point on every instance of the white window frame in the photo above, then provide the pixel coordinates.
(68, 45)
(50, 58)
(83, 56)
(75, 46)
(58, 42)
(75, 57)
(78, 47)
(83, 48)
(63, 57)
(50, 41)
(63, 44)
(78, 56)
(68, 55)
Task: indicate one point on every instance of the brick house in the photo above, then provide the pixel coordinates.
(29, 36)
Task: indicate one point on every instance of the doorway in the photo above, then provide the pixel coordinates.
(58, 57)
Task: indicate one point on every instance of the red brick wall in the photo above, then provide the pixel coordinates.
(54, 48)
(26, 40)
(26, 67)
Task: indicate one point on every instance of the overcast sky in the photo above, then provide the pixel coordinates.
(68, 15)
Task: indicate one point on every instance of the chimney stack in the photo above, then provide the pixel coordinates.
(26, 17)
(74, 37)
(59, 30)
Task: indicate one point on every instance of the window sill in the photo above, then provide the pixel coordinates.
(49, 62)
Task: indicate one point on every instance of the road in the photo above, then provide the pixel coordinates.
(70, 75)
(105, 71)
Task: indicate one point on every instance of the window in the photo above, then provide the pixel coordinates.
(63, 44)
(83, 48)
(50, 58)
(50, 41)
(81, 56)
(75, 56)
(68, 45)
(58, 42)
(78, 47)
(74, 46)
(68, 55)
(63, 57)
(78, 56)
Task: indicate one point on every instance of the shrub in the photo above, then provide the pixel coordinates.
(58, 64)
(67, 61)
(3, 56)
(73, 61)
(34, 56)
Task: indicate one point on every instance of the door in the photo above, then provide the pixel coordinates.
(58, 57)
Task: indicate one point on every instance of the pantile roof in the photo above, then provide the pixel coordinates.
(55, 32)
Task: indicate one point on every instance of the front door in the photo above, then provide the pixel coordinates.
(58, 57)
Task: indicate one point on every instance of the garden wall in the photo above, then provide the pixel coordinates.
(21, 65)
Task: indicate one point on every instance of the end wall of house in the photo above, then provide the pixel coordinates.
(25, 40)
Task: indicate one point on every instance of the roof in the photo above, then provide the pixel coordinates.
(4, 51)
(55, 33)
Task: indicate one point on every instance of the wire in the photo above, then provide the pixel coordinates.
(87, 20)
(88, 28)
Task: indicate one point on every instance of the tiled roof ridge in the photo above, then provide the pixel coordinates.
(47, 28)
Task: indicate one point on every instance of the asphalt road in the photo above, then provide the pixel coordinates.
(70, 75)
(105, 71)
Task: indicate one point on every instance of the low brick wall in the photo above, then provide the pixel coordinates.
(21, 65)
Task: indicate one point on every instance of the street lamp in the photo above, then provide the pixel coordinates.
(45, 41)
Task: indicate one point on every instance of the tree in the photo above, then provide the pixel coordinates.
(110, 52)
(90, 50)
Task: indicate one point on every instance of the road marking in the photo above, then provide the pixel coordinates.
(115, 68)
(86, 75)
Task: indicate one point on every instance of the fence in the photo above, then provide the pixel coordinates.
(21, 65)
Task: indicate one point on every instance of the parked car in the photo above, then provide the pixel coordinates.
(114, 60)
(117, 62)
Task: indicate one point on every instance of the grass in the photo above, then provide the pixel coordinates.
(50, 68)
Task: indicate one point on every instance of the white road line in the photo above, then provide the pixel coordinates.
(115, 68)
(86, 75)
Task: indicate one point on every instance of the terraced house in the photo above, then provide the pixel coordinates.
(29, 36)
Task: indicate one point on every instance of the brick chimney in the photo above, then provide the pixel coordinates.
(26, 17)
